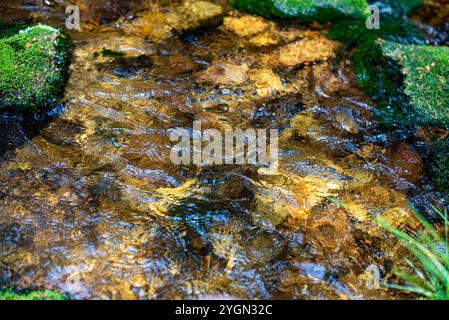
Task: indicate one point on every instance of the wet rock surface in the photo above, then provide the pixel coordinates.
(94, 192)
(103, 10)
(160, 24)
(305, 10)
(433, 12)
(313, 48)
(224, 73)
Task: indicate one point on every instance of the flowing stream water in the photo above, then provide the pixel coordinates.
(92, 206)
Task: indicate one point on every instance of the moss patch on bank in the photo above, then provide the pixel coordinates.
(355, 33)
(325, 10)
(426, 79)
(33, 295)
(321, 10)
(408, 80)
(33, 66)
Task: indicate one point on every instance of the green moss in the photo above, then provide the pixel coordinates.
(33, 295)
(355, 33)
(321, 10)
(33, 66)
(324, 10)
(382, 80)
(408, 81)
(426, 79)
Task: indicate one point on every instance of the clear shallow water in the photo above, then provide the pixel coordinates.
(92, 206)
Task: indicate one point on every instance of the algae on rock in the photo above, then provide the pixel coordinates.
(33, 295)
(410, 83)
(408, 80)
(33, 66)
(426, 79)
(321, 10)
(355, 33)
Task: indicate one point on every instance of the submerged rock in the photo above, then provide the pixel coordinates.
(406, 162)
(271, 207)
(196, 14)
(305, 10)
(224, 73)
(123, 66)
(433, 12)
(163, 24)
(441, 165)
(246, 26)
(316, 47)
(33, 66)
(157, 26)
(176, 64)
(104, 10)
(396, 7)
(259, 32)
(266, 81)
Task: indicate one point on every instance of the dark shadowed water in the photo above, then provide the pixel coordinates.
(91, 205)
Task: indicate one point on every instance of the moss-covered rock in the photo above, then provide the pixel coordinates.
(33, 66)
(426, 79)
(355, 33)
(33, 295)
(409, 81)
(321, 10)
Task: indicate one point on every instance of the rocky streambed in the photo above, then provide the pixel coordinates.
(91, 205)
